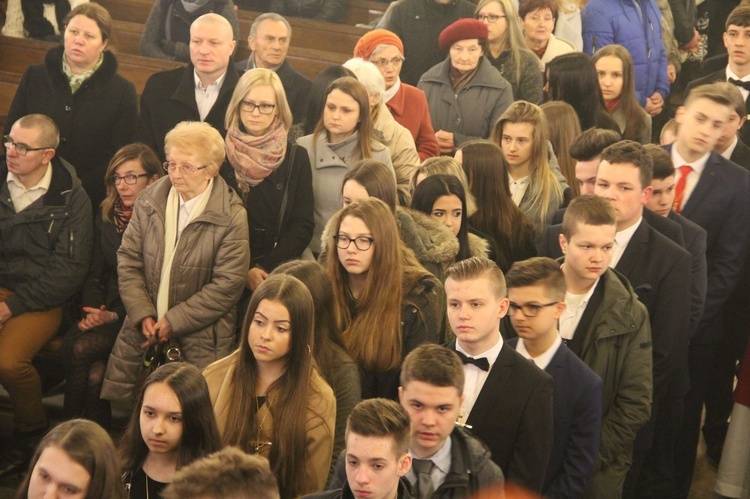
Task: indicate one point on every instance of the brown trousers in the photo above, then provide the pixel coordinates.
(21, 337)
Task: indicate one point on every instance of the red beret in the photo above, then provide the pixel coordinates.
(368, 43)
(463, 29)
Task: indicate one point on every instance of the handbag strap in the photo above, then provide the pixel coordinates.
(285, 197)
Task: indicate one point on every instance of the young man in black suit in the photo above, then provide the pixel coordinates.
(536, 290)
(729, 144)
(737, 70)
(712, 192)
(606, 325)
(508, 401)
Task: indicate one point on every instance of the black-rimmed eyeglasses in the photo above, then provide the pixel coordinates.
(362, 243)
(529, 309)
(129, 179)
(263, 108)
(170, 166)
(21, 149)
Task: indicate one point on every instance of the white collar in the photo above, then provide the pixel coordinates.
(729, 150)
(730, 74)
(543, 360)
(217, 83)
(623, 237)
(698, 165)
(490, 355)
(392, 91)
(43, 183)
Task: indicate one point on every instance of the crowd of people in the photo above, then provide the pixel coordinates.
(456, 263)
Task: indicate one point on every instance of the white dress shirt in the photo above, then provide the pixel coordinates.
(695, 175)
(730, 74)
(186, 208)
(476, 377)
(205, 97)
(574, 307)
(23, 197)
(543, 360)
(729, 150)
(518, 188)
(622, 238)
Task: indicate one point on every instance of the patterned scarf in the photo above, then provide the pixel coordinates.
(255, 158)
(122, 215)
(460, 79)
(76, 80)
(612, 105)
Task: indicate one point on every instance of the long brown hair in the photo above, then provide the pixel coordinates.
(544, 189)
(628, 102)
(137, 151)
(487, 171)
(354, 89)
(394, 268)
(288, 396)
(563, 128)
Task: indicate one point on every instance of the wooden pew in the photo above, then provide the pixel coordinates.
(363, 11)
(309, 62)
(306, 33)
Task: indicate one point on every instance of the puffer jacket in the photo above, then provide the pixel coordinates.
(637, 27)
(472, 468)
(617, 347)
(208, 275)
(471, 113)
(45, 250)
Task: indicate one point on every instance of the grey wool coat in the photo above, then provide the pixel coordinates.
(207, 278)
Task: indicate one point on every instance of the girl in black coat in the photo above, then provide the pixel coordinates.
(87, 345)
(79, 88)
(273, 177)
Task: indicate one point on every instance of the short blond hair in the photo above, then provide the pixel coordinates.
(198, 137)
(477, 267)
(254, 78)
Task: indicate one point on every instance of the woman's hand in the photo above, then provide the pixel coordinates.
(255, 276)
(163, 330)
(96, 317)
(445, 141)
(147, 329)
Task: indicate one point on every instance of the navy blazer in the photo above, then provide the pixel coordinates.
(720, 76)
(695, 243)
(513, 417)
(577, 422)
(721, 205)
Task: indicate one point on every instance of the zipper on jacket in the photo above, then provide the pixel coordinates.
(72, 240)
(49, 230)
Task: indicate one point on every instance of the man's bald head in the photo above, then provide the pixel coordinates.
(211, 46)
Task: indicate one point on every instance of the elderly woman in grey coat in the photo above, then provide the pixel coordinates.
(465, 93)
(183, 261)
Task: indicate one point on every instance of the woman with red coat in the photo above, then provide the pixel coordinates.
(407, 104)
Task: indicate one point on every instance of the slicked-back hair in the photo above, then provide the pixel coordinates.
(715, 92)
(632, 152)
(435, 365)
(589, 210)
(740, 17)
(380, 417)
(538, 271)
(226, 474)
(592, 142)
(477, 267)
(661, 160)
(738, 102)
(270, 16)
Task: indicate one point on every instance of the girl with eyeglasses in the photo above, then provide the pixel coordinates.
(507, 50)
(268, 396)
(385, 302)
(343, 136)
(267, 168)
(171, 426)
(88, 343)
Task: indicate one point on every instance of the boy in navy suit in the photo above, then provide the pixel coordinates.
(536, 290)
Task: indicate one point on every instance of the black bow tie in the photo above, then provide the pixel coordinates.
(740, 83)
(482, 362)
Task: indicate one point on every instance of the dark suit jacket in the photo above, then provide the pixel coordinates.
(296, 86)
(660, 272)
(577, 404)
(513, 417)
(721, 75)
(169, 98)
(741, 155)
(695, 243)
(720, 204)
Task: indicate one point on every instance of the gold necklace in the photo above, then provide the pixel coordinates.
(257, 444)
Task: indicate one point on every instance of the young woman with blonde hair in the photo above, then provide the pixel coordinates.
(365, 257)
(266, 169)
(507, 49)
(563, 128)
(268, 397)
(614, 68)
(344, 135)
(521, 133)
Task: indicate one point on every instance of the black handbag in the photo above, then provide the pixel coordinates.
(156, 356)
